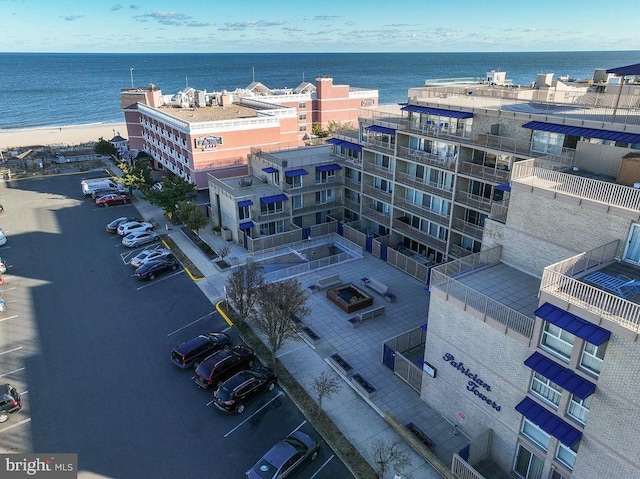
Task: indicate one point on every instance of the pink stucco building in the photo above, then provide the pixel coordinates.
(194, 132)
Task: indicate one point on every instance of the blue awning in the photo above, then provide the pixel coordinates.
(503, 187)
(245, 203)
(270, 169)
(626, 70)
(331, 167)
(334, 141)
(381, 129)
(351, 146)
(273, 199)
(572, 323)
(563, 377)
(549, 422)
(585, 132)
(437, 111)
(245, 225)
(292, 173)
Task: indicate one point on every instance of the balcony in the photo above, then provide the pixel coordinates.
(425, 186)
(353, 184)
(377, 193)
(377, 170)
(314, 208)
(562, 282)
(377, 216)
(467, 228)
(419, 235)
(266, 218)
(379, 145)
(426, 158)
(484, 173)
(351, 204)
(307, 187)
(487, 288)
(421, 211)
(499, 211)
(458, 251)
(475, 201)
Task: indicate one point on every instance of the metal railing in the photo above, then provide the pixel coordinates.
(420, 235)
(484, 172)
(420, 210)
(462, 470)
(425, 185)
(611, 194)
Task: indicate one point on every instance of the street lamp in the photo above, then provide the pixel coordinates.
(131, 72)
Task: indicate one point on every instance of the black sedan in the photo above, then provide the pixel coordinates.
(155, 267)
(234, 394)
(286, 457)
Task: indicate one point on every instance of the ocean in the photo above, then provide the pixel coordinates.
(51, 89)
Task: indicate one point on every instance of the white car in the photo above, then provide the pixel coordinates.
(139, 238)
(133, 226)
(3, 238)
(148, 255)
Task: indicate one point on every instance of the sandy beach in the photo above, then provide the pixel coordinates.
(60, 136)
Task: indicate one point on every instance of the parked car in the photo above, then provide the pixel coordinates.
(105, 191)
(286, 457)
(10, 401)
(3, 265)
(191, 352)
(133, 226)
(223, 364)
(151, 269)
(148, 255)
(234, 394)
(3, 303)
(139, 238)
(112, 200)
(113, 226)
(3, 238)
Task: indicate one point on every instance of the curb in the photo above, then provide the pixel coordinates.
(222, 313)
(193, 278)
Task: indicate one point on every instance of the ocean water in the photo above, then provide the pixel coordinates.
(50, 89)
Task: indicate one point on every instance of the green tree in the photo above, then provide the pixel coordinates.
(136, 176)
(277, 304)
(192, 216)
(105, 148)
(242, 287)
(317, 130)
(174, 190)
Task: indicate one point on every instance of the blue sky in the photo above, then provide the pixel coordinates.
(255, 26)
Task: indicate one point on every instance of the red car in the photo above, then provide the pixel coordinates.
(110, 200)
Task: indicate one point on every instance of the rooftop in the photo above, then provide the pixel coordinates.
(210, 113)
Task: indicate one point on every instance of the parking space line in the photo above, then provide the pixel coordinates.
(301, 424)
(8, 428)
(248, 418)
(8, 318)
(191, 323)
(151, 283)
(322, 467)
(11, 372)
(11, 350)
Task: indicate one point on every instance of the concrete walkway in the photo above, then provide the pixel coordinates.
(358, 417)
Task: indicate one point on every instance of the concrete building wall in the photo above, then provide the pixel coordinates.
(496, 359)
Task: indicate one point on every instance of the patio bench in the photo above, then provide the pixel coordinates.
(366, 314)
(621, 285)
(380, 288)
(329, 281)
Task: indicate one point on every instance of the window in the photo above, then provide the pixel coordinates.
(536, 434)
(294, 181)
(592, 357)
(567, 455)
(527, 465)
(271, 208)
(302, 105)
(325, 176)
(272, 228)
(556, 475)
(244, 212)
(557, 341)
(302, 116)
(547, 142)
(579, 408)
(324, 196)
(302, 128)
(296, 202)
(546, 389)
(383, 161)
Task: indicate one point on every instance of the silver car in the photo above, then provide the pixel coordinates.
(148, 255)
(139, 238)
(133, 226)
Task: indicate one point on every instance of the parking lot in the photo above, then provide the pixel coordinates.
(87, 345)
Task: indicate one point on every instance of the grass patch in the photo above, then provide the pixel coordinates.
(358, 466)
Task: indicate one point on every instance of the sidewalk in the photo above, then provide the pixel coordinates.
(360, 419)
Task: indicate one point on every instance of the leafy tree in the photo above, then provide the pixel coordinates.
(277, 304)
(174, 190)
(318, 131)
(389, 454)
(242, 287)
(223, 252)
(105, 148)
(325, 385)
(192, 216)
(136, 176)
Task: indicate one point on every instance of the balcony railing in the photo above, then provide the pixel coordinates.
(315, 207)
(421, 211)
(377, 193)
(420, 235)
(377, 216)
(557, 280)
(611, 194)
(475, 201)
(458, 251)
(378, 170)
(467, 228)
(499, 211)
(352, 205)
(484, 173)
(462, 470)
(426, 158)
(426, 186)
(379, 145)
(353, 184)
(443, 278)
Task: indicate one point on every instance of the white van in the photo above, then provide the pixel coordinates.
(89, 186)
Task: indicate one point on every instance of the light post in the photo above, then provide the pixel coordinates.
(131, 73)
